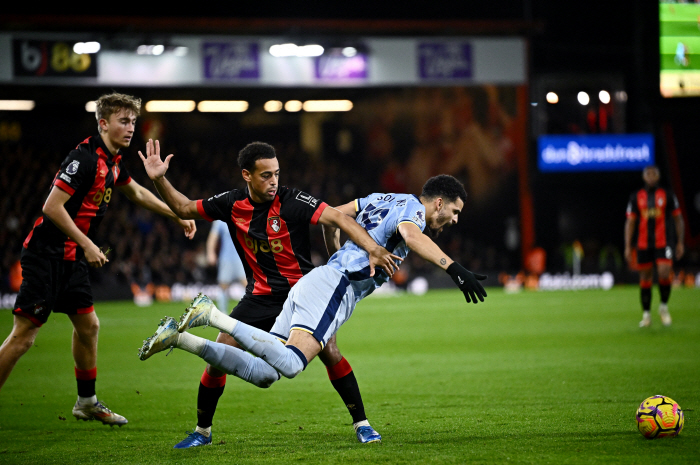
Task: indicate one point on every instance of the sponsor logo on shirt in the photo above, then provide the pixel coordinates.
(306, 198)
(419, 217)
(218, 195)
(73, 167)
(65, 177)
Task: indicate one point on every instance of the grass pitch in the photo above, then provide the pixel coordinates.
(535, 377)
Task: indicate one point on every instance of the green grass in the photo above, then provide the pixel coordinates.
(535, 377)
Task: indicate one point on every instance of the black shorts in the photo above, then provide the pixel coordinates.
(258, 311)
(52, 285)
(646, 258)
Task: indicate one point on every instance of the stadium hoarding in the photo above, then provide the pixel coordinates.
(246, 61)
(615, 152)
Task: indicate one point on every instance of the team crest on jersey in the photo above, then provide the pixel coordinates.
(274, 222)
(73, 167)
(103, 173)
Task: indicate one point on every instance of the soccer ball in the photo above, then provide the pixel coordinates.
(659, 417)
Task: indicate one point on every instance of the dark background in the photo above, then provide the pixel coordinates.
(617, 40)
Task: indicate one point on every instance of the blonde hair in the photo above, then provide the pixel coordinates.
(109, 104)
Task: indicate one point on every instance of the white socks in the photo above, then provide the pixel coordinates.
(87, 400)
(222, 322)
(360, 423)
(191, 343)
(206, 432)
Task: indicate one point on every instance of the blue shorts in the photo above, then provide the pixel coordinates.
(319, 304)
(230, 271)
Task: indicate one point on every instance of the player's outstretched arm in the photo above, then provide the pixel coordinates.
(155, 168)
(378, 255)
(421, 244)
(146, 199)
(331, 234)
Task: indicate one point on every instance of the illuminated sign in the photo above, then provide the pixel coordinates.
(336, 67)
(445, 60)
(231, 61)
(38, 58)
(616, 152)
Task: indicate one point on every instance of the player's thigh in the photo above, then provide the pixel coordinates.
(37, 293)
(318, 304)
(305, 342)
(226, 273)
(75, 295)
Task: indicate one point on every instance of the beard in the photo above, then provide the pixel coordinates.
(441, 220)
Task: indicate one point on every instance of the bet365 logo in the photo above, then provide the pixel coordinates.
(51, 58)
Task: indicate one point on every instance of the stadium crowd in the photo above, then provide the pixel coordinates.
(388, 143)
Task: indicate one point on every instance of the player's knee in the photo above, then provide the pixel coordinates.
(21, 344)
(330, 355)
(267, 380)
(295, 362)
(291, 372)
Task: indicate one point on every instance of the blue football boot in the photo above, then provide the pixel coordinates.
(194, 439)
(367, 434)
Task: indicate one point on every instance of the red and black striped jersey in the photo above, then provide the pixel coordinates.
(654, 209)
(89, 174)
(272, 238)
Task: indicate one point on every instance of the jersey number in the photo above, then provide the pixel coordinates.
(275, 245)
(372, 217)
(102, 196)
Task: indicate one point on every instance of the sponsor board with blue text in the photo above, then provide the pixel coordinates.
(614, 152)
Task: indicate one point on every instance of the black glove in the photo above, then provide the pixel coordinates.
(467, 282)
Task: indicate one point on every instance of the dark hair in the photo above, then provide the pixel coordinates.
(254, 152)
(445, 186)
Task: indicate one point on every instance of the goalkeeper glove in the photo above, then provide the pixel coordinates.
(467, 282)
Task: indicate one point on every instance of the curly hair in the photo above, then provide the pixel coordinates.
(254, 152)
(445, 186)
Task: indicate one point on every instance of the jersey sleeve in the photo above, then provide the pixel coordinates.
(217, 207)
(75, 169)
(360, 204)
(299, 204)
(124, 176)
(632, 208)
(411, 212)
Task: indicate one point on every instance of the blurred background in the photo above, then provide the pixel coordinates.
(529, 103)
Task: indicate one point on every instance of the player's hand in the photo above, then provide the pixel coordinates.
(467, 282)
(155, 167)
(94, 256)
(383, 259)
(189, 227)
(628, 254)
(680, 250)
